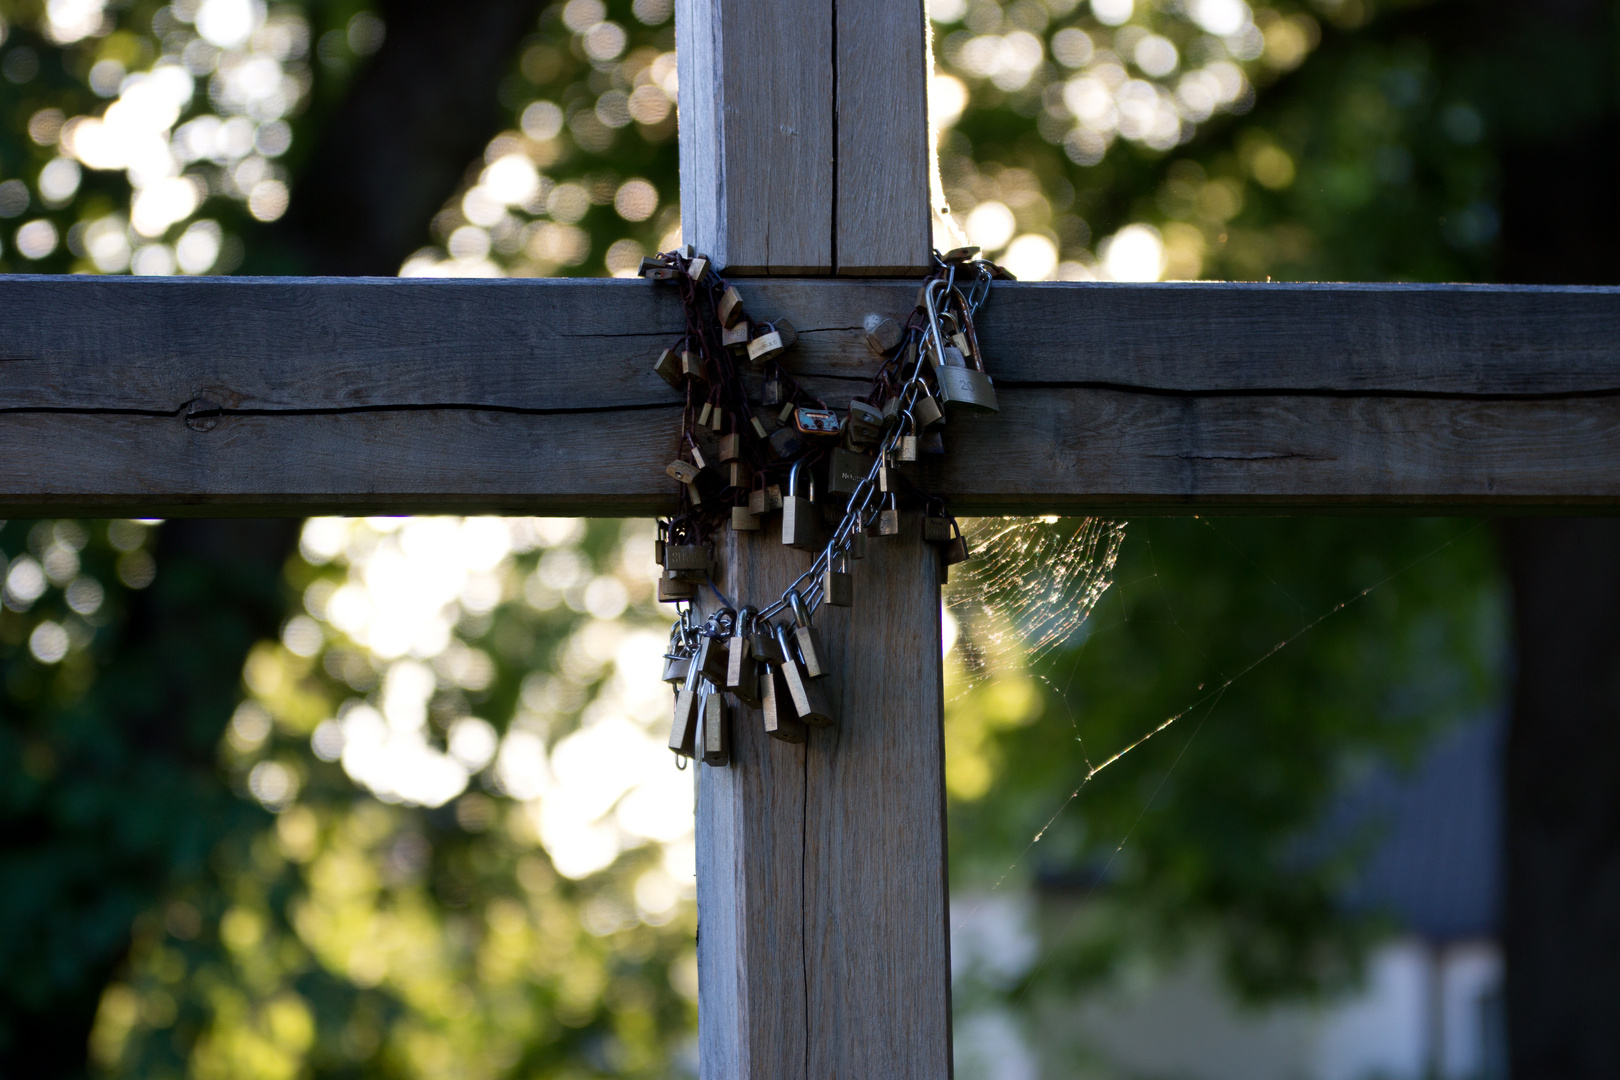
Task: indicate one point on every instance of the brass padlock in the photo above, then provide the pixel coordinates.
(730, 447)
(936, 528)
(698, 269)
(801, 518)
(778, 338)
(711, 658)
(776, 703)
(925, 411)
(742, 669)
(812, 654)
(759, 428)
(888, 518)
(846, 469)
(684, 472)
(730, 307)
(955, 549)
(771, 393)
(739, 475)
(692, 366)
(743, 520)
(865, 422)
(716, 731)
(882, 334)
(656, 270)
(683, 725)
(837, 584)
(762, 642)
(735, 338)
(688, 557)
(672, 590)
(668, 368)
(758, 503)
(809, 695)
(704, 414)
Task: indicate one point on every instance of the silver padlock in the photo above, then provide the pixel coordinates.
(970, 389)
(807, 640)
(809, 695)
(801, 518)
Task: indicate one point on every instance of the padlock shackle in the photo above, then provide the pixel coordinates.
(793, 480)
(801, 613)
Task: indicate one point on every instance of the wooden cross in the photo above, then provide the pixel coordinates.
(823, 947)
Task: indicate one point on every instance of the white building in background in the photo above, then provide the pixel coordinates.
(1430, 1007)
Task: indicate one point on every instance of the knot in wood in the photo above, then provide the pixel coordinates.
(204, 411)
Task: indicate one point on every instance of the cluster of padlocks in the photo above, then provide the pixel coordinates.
(752, 446)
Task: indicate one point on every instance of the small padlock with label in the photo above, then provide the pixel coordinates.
(735, 338)
(776, 338)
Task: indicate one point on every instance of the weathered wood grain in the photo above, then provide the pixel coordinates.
(821, 888)
(881, 213)
(756, 132)
(271, 396)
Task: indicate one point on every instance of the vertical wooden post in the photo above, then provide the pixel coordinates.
(823, 949)
(804, 135)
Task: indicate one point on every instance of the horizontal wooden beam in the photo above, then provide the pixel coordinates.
(270, 396)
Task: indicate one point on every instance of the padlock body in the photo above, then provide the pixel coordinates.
(743, 520)
(807, 640)
(846, 471)
(936, 530)
(676, 668)
(716, 731)
(801, 523)
(809, 696)
(968, 388)
(776, 703)
(686, 557)
(672, 590)
(683, 726)
(837, 588)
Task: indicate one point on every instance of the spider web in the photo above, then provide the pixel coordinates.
(1027, 590)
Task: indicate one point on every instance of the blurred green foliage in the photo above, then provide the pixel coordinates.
(1294, 656)
(229, 902)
